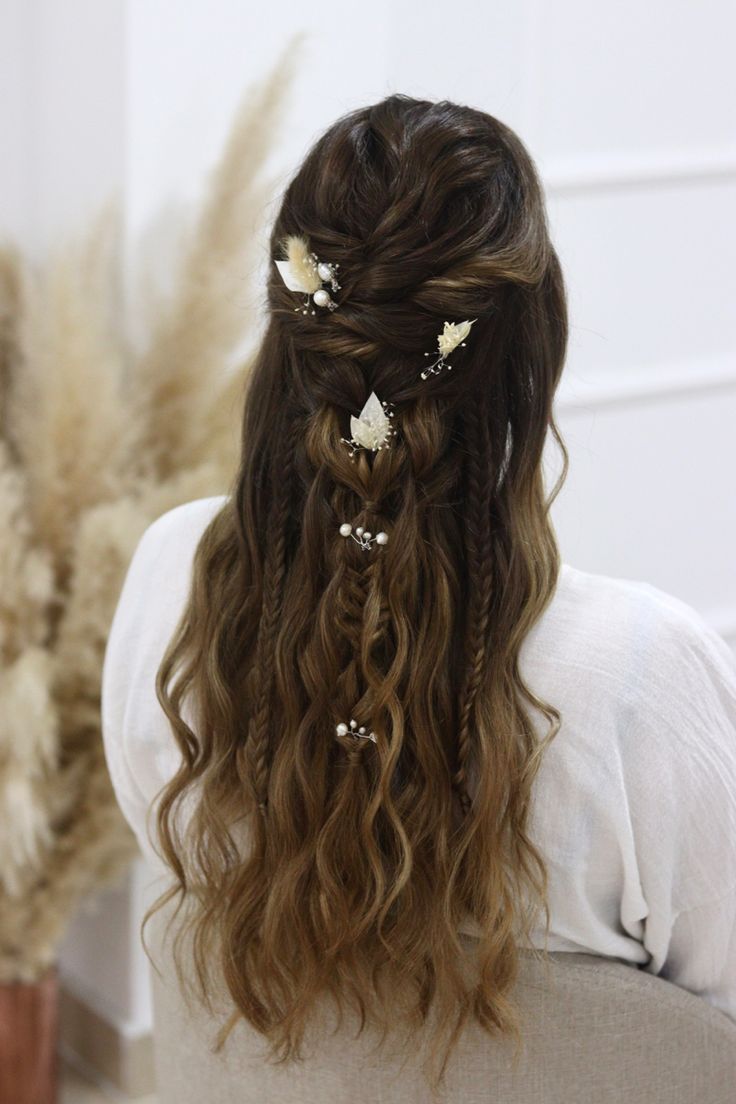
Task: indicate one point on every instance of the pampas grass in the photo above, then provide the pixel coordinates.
(193, 338)
(67, 418)
(96, 441)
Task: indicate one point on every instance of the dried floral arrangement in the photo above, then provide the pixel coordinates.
(97, 440)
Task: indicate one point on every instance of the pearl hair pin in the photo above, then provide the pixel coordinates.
(362, 537)
(372, 428)
(303, 271)
(360, 733)
(453, 334)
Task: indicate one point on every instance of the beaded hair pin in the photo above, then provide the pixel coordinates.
(372, 429)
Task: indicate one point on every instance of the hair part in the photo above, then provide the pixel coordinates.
(311, 863)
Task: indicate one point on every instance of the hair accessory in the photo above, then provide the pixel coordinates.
(372, 428)
(360, 733)
(361, 536)
(303, 271)
(454, 334)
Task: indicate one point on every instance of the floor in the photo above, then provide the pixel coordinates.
(77, 1089)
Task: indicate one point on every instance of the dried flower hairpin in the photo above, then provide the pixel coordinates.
(303, 271)
(453, 334)
(372, 429)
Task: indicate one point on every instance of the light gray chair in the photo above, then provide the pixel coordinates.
(597, 1031)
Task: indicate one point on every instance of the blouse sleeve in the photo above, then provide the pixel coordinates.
(686, 803)
(702, 952)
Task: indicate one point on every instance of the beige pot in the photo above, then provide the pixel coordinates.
(29, 1017)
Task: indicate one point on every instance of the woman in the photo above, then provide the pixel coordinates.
(386, 712)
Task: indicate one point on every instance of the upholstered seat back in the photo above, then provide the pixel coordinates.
(596, 1031)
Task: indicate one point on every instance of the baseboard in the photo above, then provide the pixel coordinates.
(89, 1041)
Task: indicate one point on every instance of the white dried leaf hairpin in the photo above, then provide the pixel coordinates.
(303, 271)
(453, 334)
(372, 429)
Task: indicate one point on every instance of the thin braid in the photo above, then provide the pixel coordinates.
(477, 534)
(273, 590)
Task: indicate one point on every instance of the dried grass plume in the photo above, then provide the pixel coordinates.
(96, 441)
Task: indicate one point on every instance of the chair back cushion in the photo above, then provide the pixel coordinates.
(595, 1031)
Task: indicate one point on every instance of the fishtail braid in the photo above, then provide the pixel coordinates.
(480, 582)
(274, 574)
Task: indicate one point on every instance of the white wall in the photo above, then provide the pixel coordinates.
(626, 107)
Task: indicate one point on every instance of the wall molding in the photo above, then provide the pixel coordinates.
(637, 386)
(608, 171)
(99, 1049)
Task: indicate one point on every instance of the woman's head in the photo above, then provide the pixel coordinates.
(361, 857)
(434, 212)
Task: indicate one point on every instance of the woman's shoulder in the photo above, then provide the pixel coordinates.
(620, 598)
(631, 632)
(182, 526)
(640, 678)
(159, 573)
(154, 591)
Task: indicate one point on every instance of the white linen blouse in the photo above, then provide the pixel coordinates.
(634, 807)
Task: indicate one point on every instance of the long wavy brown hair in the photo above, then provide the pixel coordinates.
(314, 863)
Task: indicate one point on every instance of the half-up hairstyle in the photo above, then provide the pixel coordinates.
(312, 862)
